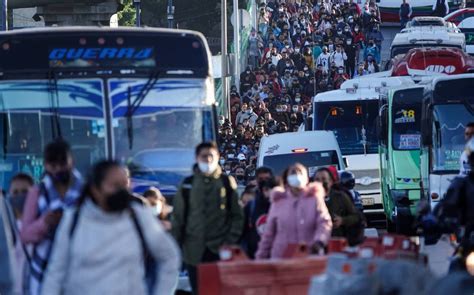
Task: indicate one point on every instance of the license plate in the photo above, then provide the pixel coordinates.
(368, 201)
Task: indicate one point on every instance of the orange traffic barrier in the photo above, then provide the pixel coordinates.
(241, 276)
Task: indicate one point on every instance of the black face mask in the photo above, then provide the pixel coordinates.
(119, 200)
(326, 186)
(62, 177)
(18, 202)
(239, 177)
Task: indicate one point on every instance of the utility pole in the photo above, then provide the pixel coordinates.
(225, 97)
(138, 13)
(237, 43)
(170, 11)
(4, 15)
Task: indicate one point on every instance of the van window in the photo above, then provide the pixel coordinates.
(312, 160)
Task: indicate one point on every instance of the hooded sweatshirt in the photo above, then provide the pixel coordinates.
(105, 256)
(295, 219)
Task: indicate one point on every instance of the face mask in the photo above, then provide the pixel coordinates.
(296, 180)
(62, 177)
(341, 71)
(221, 122)
(297, 99)
(222, 161)
(119, 200)
(233, 145)
(207, 168)
(157, 209)
(297, 50)
(288, 65)
(295, 109)
(239, 177)
(227, 172)
(18, 202)
(230, 156)
(249, 111)
(306, 74)
(356, 30)
(348, 42)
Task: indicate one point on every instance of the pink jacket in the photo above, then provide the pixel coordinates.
(295, 219)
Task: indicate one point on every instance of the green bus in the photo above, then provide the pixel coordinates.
(399, 126)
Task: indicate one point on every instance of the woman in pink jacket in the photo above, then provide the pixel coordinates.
(298, 215)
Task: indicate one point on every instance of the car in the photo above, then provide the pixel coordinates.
(313, 149)
(457, 16)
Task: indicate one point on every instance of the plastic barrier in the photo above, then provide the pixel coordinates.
(235, 274)
(238, 275)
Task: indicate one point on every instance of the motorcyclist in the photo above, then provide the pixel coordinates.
(455, 213)
(347, 180)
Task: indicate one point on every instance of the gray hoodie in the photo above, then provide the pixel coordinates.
(104, 255)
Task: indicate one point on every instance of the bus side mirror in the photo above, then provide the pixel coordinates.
(426, 132)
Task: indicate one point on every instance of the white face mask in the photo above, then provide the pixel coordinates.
(158, 208)
(297, 180)
(297, 99)
(208, 168)
(222, 161)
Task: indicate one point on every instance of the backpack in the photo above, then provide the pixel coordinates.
(150, 264)
(186, 194)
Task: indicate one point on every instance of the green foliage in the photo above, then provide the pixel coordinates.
(126, 16)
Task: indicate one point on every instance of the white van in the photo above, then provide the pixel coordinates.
(313, 149)
(418, 37)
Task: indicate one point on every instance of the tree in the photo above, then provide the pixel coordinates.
(126, 16)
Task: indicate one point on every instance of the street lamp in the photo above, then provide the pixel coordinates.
(170, 12)
(137, 5)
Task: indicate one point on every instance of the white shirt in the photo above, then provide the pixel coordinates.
(339, 58)
(323, 60)
(465, 167)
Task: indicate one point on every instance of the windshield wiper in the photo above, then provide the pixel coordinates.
(54, 102)
(364, 139)
(132, 107)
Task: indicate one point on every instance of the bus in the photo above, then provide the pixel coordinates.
(351, 113)
(142, 96)
(389, 9)
(446, 109)
(399, 131)
(418, 37)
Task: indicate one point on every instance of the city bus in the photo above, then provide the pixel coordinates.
(142, 96)
(351, 113)
(419, 37)
(389, 9)
(447, 108)
(399, 131)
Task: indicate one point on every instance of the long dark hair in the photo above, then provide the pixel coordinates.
(96, 176)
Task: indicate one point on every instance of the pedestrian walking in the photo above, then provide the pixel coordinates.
(59, 189)
(104, 244)
(440, 8)
(405, 13)
(297, 215)
(206, 213)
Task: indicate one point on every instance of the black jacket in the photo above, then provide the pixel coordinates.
(254, 213)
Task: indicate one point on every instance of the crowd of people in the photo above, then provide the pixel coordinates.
(301, 48)
(75, 235)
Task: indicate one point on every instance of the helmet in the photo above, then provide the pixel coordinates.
(347, 179)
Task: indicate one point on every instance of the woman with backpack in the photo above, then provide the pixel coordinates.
(110, 245)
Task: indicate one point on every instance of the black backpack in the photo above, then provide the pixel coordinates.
(186, 193)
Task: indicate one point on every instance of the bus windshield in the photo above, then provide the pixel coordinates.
(449, 122)
(406, 119)
(353, 123)
(35, 112)
(312, 160)
(157, 143)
